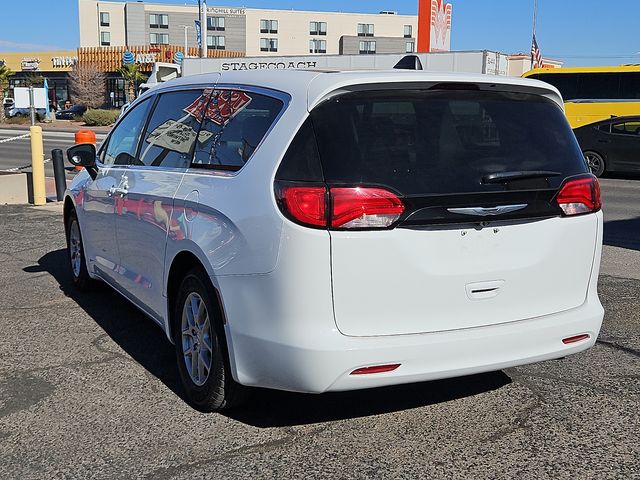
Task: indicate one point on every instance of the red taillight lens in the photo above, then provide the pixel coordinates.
(580, 196)
(361, 207)
(306, 204)
(351, 207)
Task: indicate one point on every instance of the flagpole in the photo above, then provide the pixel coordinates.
(535, 21)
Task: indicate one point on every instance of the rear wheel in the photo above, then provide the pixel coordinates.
(596, 163)
(75, 253)
(200, 349)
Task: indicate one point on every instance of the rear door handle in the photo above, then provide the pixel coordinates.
(604, 141)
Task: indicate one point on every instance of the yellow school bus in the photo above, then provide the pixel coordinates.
(592, 94)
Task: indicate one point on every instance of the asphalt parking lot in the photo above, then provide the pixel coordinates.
(89, 389)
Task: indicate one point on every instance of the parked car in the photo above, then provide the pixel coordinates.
(611, 145)
(71, 113)
(25, 112)
(319, 232)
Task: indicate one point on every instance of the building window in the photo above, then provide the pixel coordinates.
(215, 23)
(268, 44)
(408, 31)
(317, 28)
(159, 20)
(317, 46)
(365, 29)
(159, 38)
(367, 47)
(410, 47)
(105, 39)
(105, 21)
(268, 26)
(215, 42)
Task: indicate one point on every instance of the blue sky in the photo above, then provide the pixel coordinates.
(580, 32)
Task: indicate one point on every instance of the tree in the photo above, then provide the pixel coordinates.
(34, 80)
(132, 76)
(5, 73)
(87, 85)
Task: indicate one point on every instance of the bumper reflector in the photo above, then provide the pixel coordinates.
(576, 339)
(375, 369)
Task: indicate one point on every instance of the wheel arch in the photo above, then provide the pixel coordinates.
(183, 262)
(68, 207)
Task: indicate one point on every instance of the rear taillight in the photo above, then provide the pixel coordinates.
(580, 196)
(361, 207)
(350, 207)
(306, 205)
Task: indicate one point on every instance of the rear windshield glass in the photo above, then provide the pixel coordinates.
(443, 142)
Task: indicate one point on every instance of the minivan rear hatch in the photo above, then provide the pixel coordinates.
(481, 239)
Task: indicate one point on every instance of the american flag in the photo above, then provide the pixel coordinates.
(536, 56)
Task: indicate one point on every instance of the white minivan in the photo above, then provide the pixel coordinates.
(323, 231)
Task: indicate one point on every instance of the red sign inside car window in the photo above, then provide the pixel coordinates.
(219, 106)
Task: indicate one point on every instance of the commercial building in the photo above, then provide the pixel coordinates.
(520, 63)
(254, 32)
(33, 67)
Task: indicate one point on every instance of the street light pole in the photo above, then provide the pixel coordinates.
(203, 28)
(186, 39)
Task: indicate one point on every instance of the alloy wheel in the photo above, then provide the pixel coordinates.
(75, 248)
(197, 346)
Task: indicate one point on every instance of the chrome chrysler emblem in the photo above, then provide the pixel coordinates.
(488, 211)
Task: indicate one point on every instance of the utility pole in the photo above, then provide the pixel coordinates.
(535, 21)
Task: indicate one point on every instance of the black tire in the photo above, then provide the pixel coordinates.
(219, 391)
(595, 162)
(79, 276)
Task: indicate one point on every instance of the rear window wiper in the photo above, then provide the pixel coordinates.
(501, 177)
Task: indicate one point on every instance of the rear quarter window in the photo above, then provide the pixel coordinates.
(234, 124)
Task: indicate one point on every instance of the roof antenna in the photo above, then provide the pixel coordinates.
(409, 62)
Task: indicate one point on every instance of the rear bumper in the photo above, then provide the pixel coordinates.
(282, 334)
(325, 360)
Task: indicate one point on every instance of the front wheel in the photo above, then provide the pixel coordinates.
(200, 350)
(595, 162)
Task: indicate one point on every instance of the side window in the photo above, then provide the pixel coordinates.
(235, 122)
(173, 127)
(123, 141)
(628, 128)
(606, 128)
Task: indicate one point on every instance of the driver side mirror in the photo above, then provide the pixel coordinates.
(82, 155)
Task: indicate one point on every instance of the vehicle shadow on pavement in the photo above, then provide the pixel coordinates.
(266, 408)
(136, 334)
(271, 408)
(623, 233)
